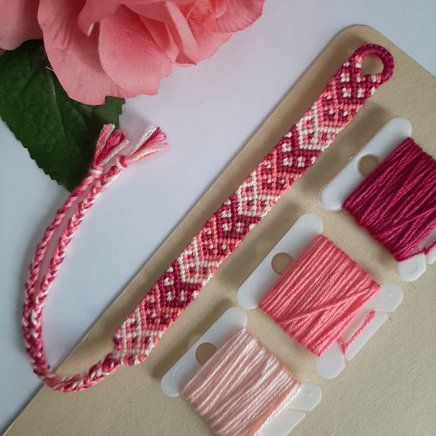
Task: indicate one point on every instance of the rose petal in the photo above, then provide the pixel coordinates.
(162, 37)
(93, 11)
(176, 32)
(208, 41)
(73, 55)
(18, 22)
(239, 14)
(219, 7)
(129, 54)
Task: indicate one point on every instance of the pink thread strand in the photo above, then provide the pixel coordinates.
(319, 295)
(346, 344)
(241, 387)
(396, 203)
(43, 270)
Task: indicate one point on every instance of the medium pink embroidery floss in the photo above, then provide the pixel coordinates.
(112, 155)
(240, 387)
(318, 296)
(396, 203)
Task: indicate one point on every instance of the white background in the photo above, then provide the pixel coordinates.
(208, 112)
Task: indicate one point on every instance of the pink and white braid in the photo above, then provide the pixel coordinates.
(106, 166)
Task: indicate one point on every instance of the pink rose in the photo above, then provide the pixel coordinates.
(122, 47)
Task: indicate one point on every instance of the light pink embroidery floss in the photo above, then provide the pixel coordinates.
(240, 387)
(319, 295)
(107, 165)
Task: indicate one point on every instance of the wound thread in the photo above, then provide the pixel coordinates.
(241, 387)
(396, 203)
(319, 295)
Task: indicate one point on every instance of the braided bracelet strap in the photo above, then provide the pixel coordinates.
(180, 284)
(106, 167)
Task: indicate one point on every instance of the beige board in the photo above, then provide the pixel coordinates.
(390, 386)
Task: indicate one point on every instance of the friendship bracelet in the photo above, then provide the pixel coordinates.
(180, 284)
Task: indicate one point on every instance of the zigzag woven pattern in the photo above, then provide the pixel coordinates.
(296, 152)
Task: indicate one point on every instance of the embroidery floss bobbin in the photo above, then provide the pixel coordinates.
(242, 388)
(179, 285)
(324, 300)
(396, 203)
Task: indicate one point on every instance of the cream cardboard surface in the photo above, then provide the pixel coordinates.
(388, 389)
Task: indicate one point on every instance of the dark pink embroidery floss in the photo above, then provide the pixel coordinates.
(396, 203)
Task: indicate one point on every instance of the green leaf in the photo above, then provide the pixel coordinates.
(58, 132)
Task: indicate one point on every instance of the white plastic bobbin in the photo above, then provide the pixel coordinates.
(300, 235)
(233, 320)
(349, 178)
